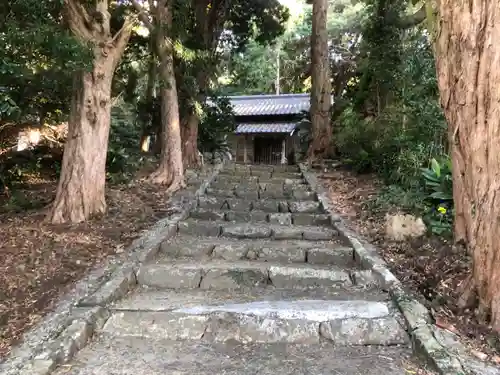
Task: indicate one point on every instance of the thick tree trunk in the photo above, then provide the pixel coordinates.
(81, 190)
(467, 58)
(322, 134)
(190, 140)
(170, 172)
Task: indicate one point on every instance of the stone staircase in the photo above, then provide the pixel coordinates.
(255, 281)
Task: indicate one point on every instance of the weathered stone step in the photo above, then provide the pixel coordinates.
(265, 189)
(255, 192)
(266, 205)
(293, 179)
(218, 195)
(255, 230)
(261, 250)
(261, 173)
(352, 322)
(280, 218)
(150, 299)
(219, 274)
(111, 354)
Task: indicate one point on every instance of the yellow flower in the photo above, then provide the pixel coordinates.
(442, 210)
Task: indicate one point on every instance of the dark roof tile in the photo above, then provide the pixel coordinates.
(265, 128)
(262, 105)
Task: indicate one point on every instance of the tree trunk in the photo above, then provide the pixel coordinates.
(209, 23)
(147, 125)
(190, 140)
(467, 57)
(81, 189)
(322, 135)
(170, 172)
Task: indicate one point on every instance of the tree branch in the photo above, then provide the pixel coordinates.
(78, 20)
(121, 38)
(413, 19)
(143, 15)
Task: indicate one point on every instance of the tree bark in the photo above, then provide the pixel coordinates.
(190, 140)
(148, 126)
(170, 171)
(467, 57)
(322, 133)
(81, 189)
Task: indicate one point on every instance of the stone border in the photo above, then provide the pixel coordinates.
(81, 312)
(440, 348)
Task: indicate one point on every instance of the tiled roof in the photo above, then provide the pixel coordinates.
(265, 128)
(262, 105)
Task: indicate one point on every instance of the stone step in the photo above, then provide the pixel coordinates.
(280, 218)
(262, 167)
(249, 195)
(149, 299)
(261, 173)
(263, 250)
(255, 193)
(119, 355)
(273, 181)
(220, 274)
(255, 230)
(268, 188)
(343, 322)
(266, 205)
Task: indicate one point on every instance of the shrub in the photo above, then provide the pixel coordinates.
(217, 122)
(124, 155)
(438, 183)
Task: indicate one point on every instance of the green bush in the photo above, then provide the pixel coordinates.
(217, 122)
(438, 187)
(124, 156)
(406, 131)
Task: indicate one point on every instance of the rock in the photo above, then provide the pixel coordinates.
(401, 227)
(233, 278)
(287, 253)
(204, 214)
(161, 276)
(246, 231)
(200, 228)
(165, 325)
(230, 251)
(305, 207)
(340, 255)
(293, 277)
(281, 219)
(382, 331)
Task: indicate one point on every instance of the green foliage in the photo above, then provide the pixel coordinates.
(438, 181)
(124, 157)
(217, 122)
(254, 71)
(393, 124)
(438, 185)
(409, 131)
(8, 108)
(38, 57)
(383, 39)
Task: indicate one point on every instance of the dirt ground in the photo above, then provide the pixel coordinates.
(39, 262)
(431, 266)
